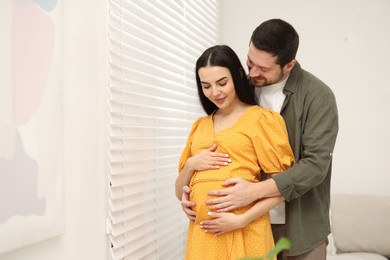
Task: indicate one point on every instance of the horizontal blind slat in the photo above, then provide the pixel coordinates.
(152, 103)
(118, 86)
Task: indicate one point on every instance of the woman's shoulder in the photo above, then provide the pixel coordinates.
(265, 114)
(200, 120)
(265, 121)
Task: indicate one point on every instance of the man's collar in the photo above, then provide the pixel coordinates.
(293, 78)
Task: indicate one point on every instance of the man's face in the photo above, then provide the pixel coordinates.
(263, 69)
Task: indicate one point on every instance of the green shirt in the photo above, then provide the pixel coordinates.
(311, 117)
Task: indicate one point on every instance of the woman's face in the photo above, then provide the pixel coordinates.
(217, 85)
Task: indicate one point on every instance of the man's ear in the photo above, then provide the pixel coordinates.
(289, 66)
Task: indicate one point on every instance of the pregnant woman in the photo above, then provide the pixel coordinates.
(252, 141)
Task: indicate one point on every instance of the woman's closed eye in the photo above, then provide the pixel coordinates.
(222, 83)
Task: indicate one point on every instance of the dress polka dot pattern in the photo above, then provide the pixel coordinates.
(256, 142)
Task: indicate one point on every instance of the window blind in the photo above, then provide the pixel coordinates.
(152, 105)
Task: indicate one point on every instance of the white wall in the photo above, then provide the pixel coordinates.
(85, 136)
(347, 45)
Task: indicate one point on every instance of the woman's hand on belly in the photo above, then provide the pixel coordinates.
(208, 159)
(221, 223)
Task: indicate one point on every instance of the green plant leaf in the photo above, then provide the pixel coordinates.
(282, 244)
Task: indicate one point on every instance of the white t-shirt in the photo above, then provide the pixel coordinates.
(272, 98)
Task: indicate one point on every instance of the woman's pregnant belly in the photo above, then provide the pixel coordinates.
(200, 185)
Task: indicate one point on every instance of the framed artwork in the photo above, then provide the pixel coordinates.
(31, 120)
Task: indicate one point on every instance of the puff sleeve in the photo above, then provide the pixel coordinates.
(271, 143)
(187, 153)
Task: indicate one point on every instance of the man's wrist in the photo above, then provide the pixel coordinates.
(258, 191)
(269, 189)
(266, 189)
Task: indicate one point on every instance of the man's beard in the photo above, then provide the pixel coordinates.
(264, 82)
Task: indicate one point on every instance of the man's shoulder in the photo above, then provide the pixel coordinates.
(302, 80)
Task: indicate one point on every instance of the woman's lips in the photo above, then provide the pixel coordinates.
(219, 100)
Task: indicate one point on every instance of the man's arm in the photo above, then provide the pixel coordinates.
(241, 194)
(317, 142)
(314, 143)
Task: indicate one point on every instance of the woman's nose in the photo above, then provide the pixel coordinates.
(216, 92)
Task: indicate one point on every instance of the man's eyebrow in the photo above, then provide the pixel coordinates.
(261, 67)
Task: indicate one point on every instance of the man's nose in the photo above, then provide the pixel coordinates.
(254, 72)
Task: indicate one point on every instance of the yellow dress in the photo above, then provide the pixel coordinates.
(256, 142)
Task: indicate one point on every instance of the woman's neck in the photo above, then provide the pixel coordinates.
(238, 107)
(225, 118)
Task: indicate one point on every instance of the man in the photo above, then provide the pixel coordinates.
(309, 109)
